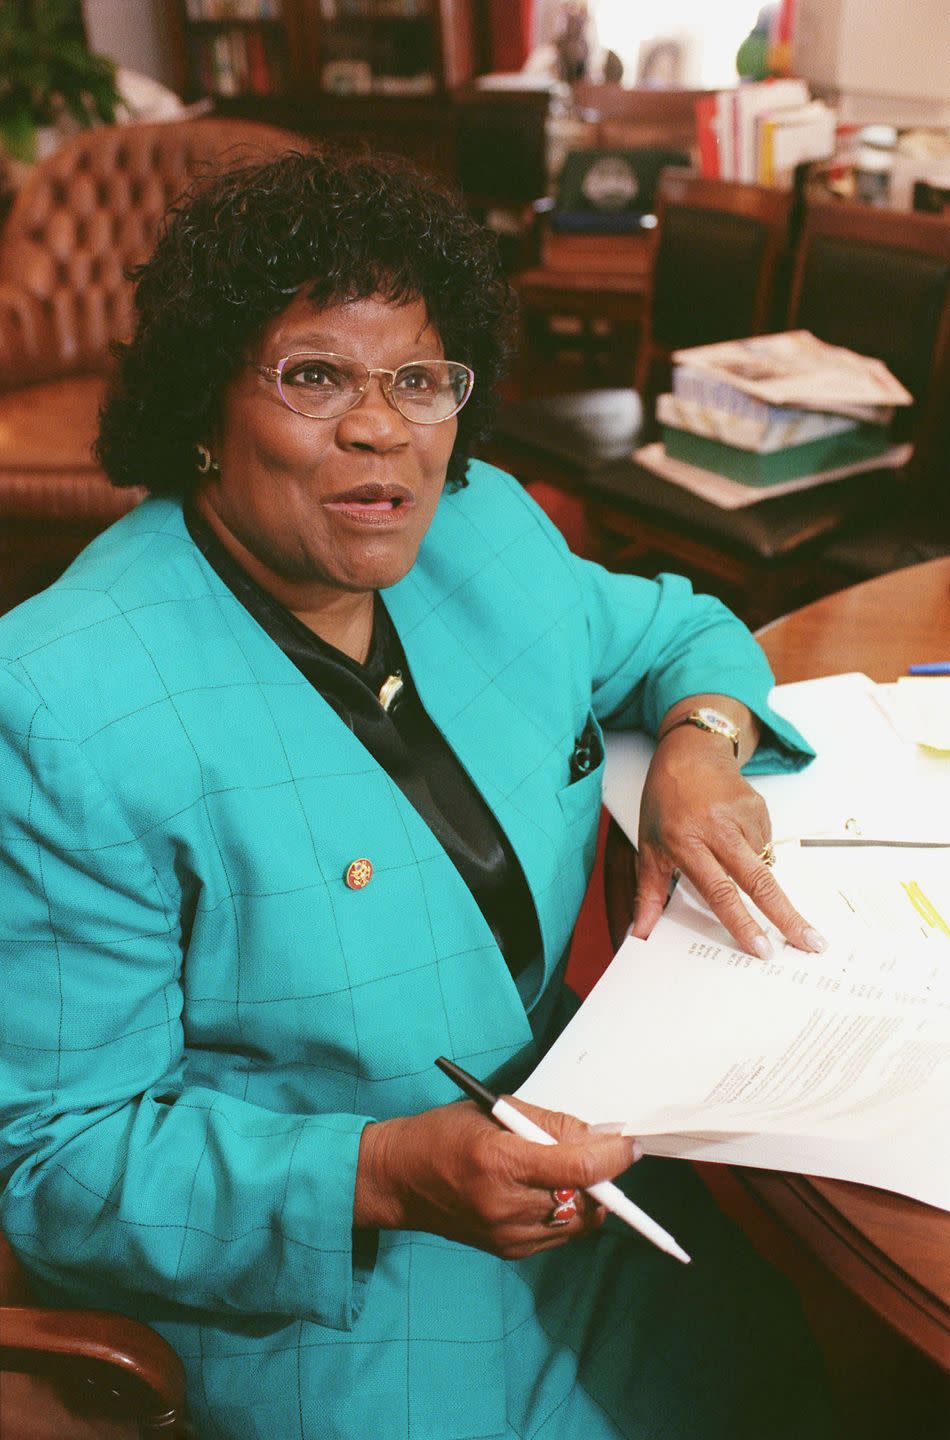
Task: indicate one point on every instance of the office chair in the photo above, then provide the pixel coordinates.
(81, 1374)
(80, 221)
(853, 253)
(877, 282)
(713, 267)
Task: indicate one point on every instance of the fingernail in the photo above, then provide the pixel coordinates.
(763, 947)
(636, 1150)
(608, 1127)
(814, 940)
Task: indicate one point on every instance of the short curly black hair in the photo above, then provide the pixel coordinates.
(234, 251)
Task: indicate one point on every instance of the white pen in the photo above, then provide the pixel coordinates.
(605, 1192)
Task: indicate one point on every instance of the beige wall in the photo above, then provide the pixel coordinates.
(133, 32)
(889, 59)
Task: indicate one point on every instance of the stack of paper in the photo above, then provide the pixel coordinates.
(762, 131)
(774, 408)
(835, 1064)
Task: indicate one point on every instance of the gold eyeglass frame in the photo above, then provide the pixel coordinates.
(275, 373)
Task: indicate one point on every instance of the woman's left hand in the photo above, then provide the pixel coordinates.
(699, 815)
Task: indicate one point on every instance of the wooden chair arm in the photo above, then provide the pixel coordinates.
(137, 1366)
(620, 882)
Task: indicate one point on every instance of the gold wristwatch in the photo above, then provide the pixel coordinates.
(708, 719)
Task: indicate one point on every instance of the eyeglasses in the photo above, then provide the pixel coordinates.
(322, 386)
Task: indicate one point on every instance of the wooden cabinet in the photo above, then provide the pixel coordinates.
(307, 50)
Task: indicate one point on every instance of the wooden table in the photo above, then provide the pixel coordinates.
(888, 1252)
(872, 1268)
(879, 627)
(892, 1252)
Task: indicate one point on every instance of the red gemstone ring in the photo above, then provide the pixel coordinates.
(565, 1207)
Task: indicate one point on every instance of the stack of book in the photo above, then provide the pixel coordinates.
(761, 131)
(238, 60)
(233, 9)
(775, 408)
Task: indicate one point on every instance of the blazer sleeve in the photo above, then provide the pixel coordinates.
(653, 642)
(116, 1176)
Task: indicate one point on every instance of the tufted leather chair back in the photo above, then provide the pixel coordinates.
(79, 222)
(93, 209)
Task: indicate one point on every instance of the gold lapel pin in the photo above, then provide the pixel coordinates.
(390, 688)
(359, 873)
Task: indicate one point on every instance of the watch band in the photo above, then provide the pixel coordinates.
(712, 721)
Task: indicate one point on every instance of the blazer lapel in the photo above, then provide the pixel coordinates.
(308, 724)
(446, 612)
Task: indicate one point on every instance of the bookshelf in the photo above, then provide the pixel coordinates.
(302, 51)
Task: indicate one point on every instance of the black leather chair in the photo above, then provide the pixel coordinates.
(714, 267)
(888, 276)
(875, 281)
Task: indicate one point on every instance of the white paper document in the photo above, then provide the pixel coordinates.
(835, 1064)
(866, 780)
(794, 367)
(919, 709)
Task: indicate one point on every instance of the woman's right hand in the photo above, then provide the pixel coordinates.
(454, 1172)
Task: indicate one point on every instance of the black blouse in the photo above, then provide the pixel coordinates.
(396, 729)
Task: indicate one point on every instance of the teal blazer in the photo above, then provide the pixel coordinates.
(200, 1016)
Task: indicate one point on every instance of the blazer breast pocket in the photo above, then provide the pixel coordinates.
(580, 798)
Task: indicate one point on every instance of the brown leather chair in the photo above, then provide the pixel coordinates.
(83, 217)
(82, 1374)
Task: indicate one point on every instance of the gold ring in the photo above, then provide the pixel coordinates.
(767, 854)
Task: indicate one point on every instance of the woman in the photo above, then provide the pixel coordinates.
(302, 772)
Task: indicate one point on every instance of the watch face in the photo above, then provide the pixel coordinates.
(720, 723)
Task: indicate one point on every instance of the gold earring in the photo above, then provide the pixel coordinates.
(204, 463)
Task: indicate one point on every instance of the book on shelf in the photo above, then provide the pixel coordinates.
(760, 131)
(222, 65)
(788, 138)
(373, 9)
(233, 9)
(423, 83)
(347, 77)
(400, 9)
(259, 79)
(726, 134)
(751, 101)
(707, 136)
(237, 60)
